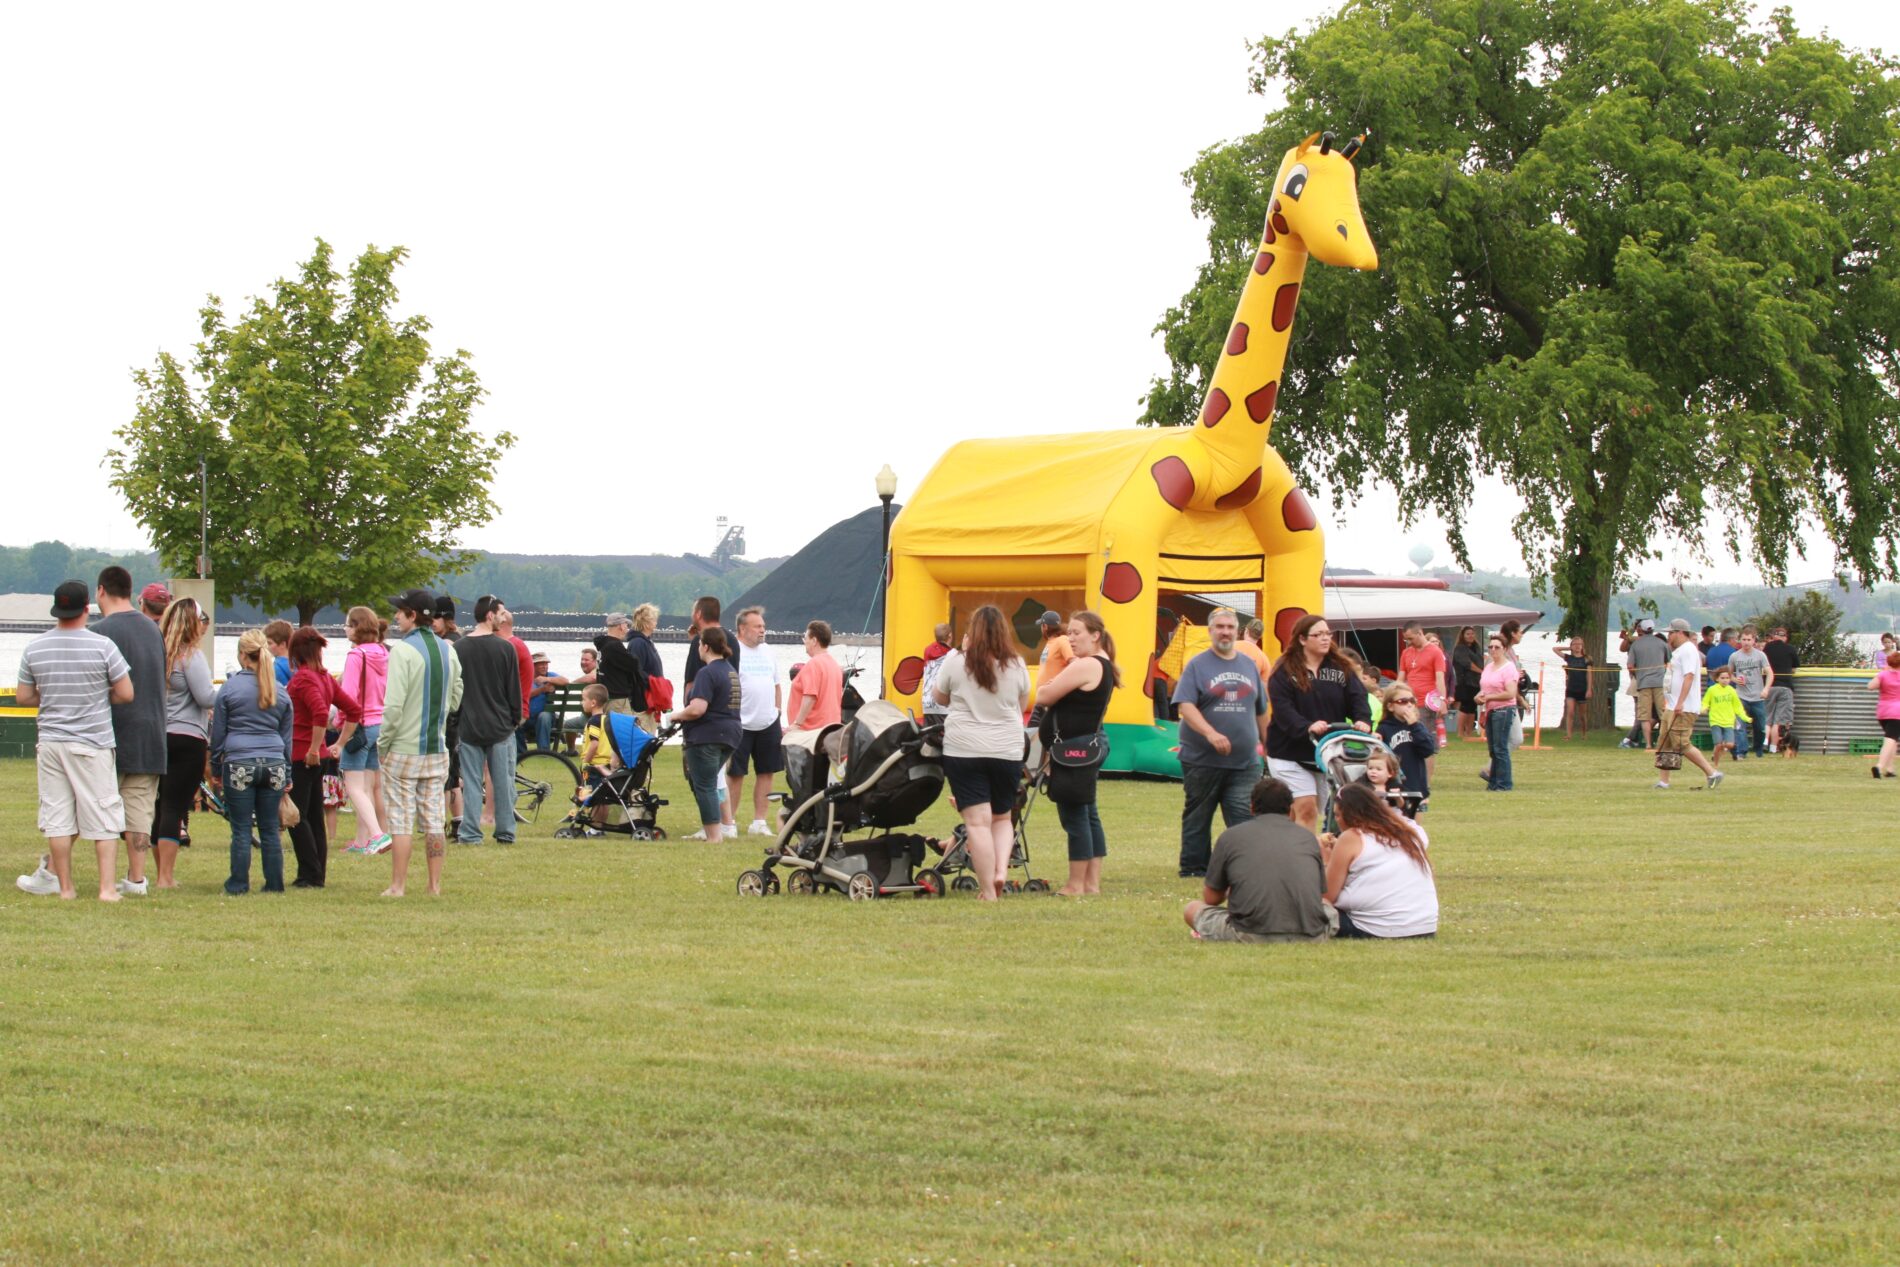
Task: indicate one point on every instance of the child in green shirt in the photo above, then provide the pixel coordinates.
(1725, 711)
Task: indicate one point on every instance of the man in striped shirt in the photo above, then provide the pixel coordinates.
(425, 686)
(74, 676)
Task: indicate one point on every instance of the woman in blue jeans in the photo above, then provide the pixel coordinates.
(1497, 698)
(250, 756)
(710, 727)
(1075, 701)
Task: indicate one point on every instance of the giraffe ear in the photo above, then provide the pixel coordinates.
(1307, 144)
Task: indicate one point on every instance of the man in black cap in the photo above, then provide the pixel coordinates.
(1056, 654)
(74, 677)
(425, 686)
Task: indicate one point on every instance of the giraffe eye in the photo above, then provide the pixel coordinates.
(1296, 182)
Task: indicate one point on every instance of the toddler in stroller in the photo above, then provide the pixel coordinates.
(1347, 756)
(878, 771)
(955, 866)
(623, 803)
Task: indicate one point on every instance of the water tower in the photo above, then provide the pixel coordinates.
(1420, 555)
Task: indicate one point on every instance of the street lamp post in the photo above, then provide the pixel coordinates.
(886, 490)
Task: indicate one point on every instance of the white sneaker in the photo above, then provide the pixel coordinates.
(759, 828)
(698, 835)
(41, 882)
(1715, 780)
(1661, 786)
(728, 831)
(128, 888)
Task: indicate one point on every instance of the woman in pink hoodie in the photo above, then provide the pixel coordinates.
(365, 679)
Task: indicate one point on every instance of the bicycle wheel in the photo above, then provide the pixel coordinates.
(540, 776)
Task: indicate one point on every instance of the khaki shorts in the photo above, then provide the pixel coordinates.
(1215, 924)
(139, 793)
(79, 792)
(1649, 703)
(413, 790)
(1677, 730)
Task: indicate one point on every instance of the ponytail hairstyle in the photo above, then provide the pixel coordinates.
(183, 630)
(712, 638)
(991, 648)
(252, 650)
(1361, 808)
(1092, 621)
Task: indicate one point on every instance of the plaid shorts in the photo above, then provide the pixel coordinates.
(413, 788)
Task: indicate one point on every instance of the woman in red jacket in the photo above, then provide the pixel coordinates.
(313, 692)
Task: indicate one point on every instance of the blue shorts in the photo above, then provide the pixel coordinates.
(1732, 735)
(366, 758)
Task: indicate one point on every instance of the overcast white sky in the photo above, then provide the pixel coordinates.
(721, 260)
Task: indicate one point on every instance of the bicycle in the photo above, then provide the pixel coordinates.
(542, 773)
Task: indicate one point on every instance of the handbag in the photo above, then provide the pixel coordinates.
(1085, 753)
(360, 739)
(1668, 760)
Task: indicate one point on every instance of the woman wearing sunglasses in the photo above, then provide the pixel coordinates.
(1497, 697)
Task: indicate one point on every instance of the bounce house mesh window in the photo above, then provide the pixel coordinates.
(1022, 608)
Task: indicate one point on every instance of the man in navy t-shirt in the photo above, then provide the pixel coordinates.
(1223, 723)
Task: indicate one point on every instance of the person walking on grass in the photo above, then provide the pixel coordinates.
(710, 728)
(985, 686)
(313, 693)
(189, 697)
(1783, 660)
(1497, 700)
(1266, 881)
(1074, 703)
(1726, 715)
(74, 677)
(1223, 706)
(138, 728)
(1579, 689)
(1648, 663)
(1313, 689)
(1754, 677)
(1679, 716)
(250, 760)
(493, 705)
(1887, 712)
(761, 739)
(365, 682)
(425, 686)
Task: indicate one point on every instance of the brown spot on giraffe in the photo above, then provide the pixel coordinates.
(1121, 583)
(1175, 481)
(1283, 622)
(1283, 301)
(1215, 407)
(1248, 490)
(1260, 403)
(1237, 339)
(1297, 514)
(1279, 222)
(1270, 235)
(909, 674)
(1264, 261)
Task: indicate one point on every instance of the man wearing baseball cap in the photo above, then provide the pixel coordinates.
(154, 599)
(1056, 654)
(74, 677)
(1682, 697)
(425, 685)
(1648, 660)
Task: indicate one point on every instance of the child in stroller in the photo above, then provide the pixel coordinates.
(955, 866)
(880, 770)
(623, 802)
(1345, 756)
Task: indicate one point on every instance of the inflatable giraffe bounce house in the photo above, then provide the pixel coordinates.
(1120, 520)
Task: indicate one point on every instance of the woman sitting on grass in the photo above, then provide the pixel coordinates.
(1377, 874)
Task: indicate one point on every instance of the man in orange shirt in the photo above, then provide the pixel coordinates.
(1056, 654)
(1249, 646)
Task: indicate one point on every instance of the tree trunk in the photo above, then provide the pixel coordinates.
(1587, 616)
(307, 610)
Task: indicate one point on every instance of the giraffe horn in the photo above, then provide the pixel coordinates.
(1326, 143)
(1352, 147)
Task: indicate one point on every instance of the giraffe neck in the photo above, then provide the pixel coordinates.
(1238, 412)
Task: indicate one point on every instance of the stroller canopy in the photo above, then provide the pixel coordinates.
(628, 739)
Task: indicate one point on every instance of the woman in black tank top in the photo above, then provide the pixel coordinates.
(1076, 700)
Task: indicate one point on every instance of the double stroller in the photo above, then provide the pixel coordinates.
(1342, 756)
(623, 803)
(878, 771)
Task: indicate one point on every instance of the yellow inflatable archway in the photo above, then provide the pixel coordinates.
(1116, 520)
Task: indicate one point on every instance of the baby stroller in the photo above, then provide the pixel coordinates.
(878, 771)
(1342, 756)
(955, 865)
(626, 795)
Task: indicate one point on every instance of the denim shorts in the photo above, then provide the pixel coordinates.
(1719, 735)
(367, 758)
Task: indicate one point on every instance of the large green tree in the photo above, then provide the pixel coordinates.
(341, 456)
(1637, 257)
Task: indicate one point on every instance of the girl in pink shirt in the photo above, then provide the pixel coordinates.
(366, 680)
(1887, 682)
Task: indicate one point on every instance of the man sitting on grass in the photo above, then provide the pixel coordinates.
(1268, 873)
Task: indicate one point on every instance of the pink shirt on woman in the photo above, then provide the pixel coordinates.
(366, 679)
(1889, 707)
(1498, 678)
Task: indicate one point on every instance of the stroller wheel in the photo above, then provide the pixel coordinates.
(771, 883)
(1010, 886)
(1036, 886)
(656, 832)
(861, 887)
(800, 882)
(752, 884)
(566, 832)
(965, 883)
(930, 883)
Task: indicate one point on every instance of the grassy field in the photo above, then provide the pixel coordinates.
(1655, 1028)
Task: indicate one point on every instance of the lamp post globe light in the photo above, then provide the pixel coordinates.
(886, 490)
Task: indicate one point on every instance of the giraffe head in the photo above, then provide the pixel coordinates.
(1316, 194)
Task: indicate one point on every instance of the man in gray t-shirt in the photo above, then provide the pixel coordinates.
(1752, 679)
(74, 676)
(1223, 723)
(1268, 874)
(138, 728)
(1648, 660)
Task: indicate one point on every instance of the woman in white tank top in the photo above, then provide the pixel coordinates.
(1377, 874)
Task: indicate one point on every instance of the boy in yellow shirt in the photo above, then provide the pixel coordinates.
(1724, 707)
(597, 752)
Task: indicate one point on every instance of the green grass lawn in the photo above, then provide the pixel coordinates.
(1654, 1028)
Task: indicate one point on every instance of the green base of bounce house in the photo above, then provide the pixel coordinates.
(1144, 749)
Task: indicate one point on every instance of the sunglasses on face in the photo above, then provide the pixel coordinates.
(1404, 699)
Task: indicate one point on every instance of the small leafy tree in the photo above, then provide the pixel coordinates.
(1813, 621)
(341, 458)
